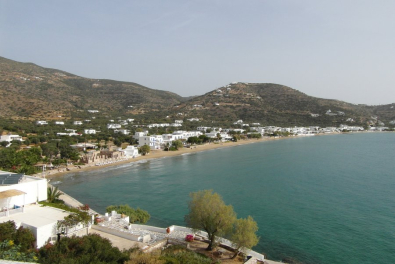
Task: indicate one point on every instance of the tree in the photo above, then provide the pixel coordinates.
(177, 144)
(16, 244)
(204, 138)
(53, 194)
(244, 234)
(208, 211)
(194, 140)
(144, 149)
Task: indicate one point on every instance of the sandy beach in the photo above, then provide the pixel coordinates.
(155, 154)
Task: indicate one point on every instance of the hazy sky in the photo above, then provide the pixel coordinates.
(335, 49)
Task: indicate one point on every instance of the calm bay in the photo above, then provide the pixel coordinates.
(323, 199)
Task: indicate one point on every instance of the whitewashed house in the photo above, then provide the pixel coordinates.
(204, 129)
(77, 123)
(18, 196)
(69, 132)
(113, 126)
(41, 123)
(122, 131)
(137, 135)
(131, 151)
(154, 141)
(10, 137)
(90, 131)
(59, 123)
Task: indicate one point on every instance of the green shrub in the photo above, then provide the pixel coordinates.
(135, 215)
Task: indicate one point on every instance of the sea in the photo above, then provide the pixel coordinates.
(316, 200)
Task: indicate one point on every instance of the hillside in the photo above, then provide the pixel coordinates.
(34, 92)
(273, 104)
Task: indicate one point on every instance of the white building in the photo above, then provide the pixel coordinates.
(90, 131)
(176, 125)
(204, 129)
(93, 111)
(154, 141)
(113, 126)
(59, 123)
(178, 121)
(10, 138)
(70, 132)
(18, 196)
(137, 135)
(77, 123)
(193, 119)
(131, 151)
(41, 123)
(122, 131)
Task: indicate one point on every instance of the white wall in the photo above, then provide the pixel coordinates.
(35, 189)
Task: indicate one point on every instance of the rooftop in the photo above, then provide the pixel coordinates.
(37, 216)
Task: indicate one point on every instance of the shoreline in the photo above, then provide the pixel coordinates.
(155, 154)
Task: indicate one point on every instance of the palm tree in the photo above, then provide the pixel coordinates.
(53, 194)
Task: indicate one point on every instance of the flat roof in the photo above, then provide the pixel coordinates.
(37, 216)
(10, 193)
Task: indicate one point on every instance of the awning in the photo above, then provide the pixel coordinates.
(10, 193)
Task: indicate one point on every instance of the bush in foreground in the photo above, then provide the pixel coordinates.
(91, 248)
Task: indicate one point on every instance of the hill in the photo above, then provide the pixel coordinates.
(274, 104)
(31, 92)
(34, 92)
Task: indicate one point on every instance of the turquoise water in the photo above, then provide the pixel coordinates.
(323, 199)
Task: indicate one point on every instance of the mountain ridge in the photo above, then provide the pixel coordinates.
(33, 92)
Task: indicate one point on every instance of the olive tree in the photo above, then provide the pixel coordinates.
(144, 149)
(244, 234)
(208, 212)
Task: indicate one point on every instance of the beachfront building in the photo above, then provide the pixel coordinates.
(328, 130)
(131, 151)
(154, 141)
(351, 128)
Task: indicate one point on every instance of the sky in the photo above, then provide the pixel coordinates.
(337, 49)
